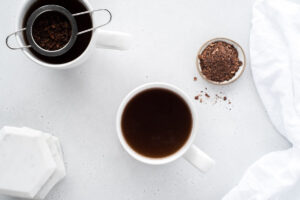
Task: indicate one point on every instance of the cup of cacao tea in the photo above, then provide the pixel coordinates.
(221, 61)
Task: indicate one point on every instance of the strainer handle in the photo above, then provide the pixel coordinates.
(92, 11)
(14, 33)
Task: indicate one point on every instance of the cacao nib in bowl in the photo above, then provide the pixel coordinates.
(221, 61)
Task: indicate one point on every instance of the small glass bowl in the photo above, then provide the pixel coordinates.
(241, 55)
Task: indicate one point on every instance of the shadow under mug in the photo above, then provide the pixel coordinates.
(99, 39)
(189, 151)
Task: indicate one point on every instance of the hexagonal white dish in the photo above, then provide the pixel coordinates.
(26, 163)
(56, 154)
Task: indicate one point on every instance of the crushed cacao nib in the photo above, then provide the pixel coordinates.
(206, 97)
(51, 31)
(219, 61)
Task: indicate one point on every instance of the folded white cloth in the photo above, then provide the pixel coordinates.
(275, 63)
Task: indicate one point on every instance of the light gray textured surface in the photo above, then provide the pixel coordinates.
(79, 105)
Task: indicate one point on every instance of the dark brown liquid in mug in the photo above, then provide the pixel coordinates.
(156, 123)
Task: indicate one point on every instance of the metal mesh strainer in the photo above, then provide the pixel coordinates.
(71, 19)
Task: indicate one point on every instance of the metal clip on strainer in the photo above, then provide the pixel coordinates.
(72, 21)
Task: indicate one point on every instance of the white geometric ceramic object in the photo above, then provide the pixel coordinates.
(26, 163)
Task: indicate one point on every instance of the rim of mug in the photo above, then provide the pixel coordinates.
(22, 11)
(178, 153)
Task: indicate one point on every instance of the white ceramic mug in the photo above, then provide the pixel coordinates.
(100, 39)
(189, 151)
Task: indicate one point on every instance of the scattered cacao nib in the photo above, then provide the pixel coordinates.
(205, 97)
(219, 61)
(51, 31)
(195, 78)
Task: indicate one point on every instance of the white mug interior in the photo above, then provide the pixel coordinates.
(162, 160)
(25, 5)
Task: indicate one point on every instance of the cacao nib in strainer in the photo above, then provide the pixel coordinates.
(51, 31)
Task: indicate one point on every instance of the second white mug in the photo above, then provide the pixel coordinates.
(189, 151)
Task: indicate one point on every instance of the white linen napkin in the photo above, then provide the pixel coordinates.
(275, 63)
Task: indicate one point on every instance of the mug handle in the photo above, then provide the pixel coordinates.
(113, 40)
(199, 159)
